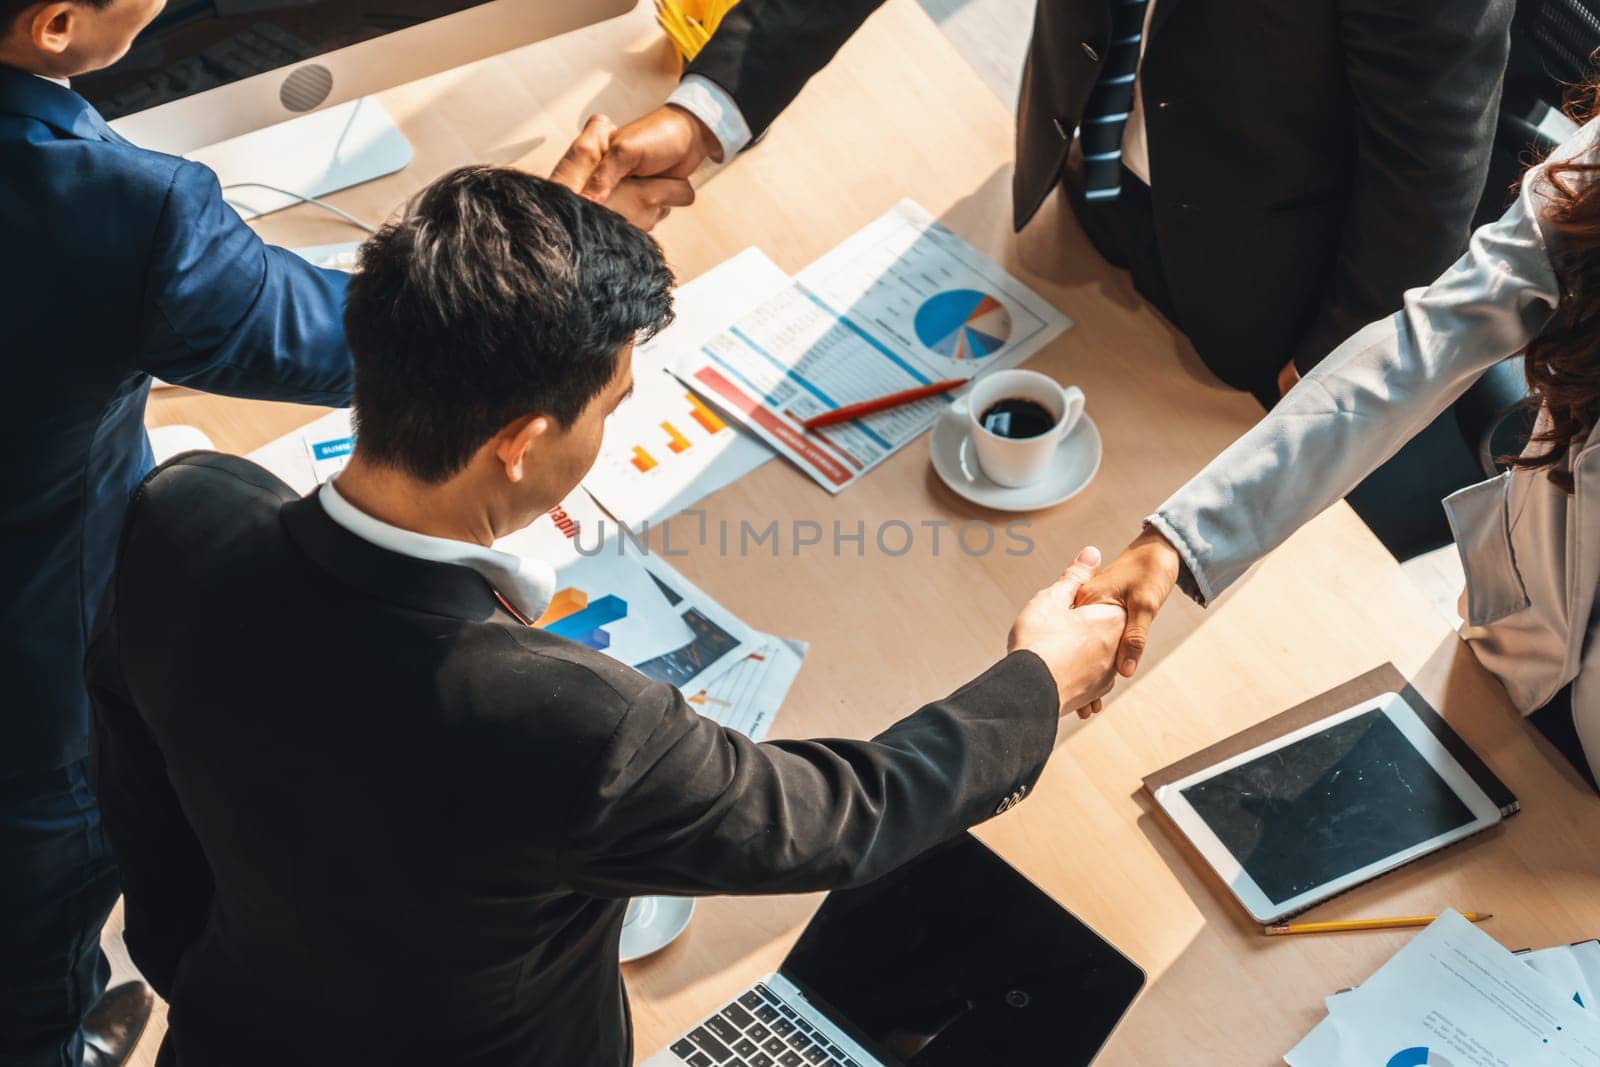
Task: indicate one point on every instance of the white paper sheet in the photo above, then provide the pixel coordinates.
(903, 302)
(664, 448)
(748, 696)
(289, 456)
(1453, 997)
(1572, 967)
(721, 639)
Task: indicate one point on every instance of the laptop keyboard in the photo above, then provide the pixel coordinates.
(759, 1030)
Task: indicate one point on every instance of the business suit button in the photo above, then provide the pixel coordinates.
(1162, 105)
(1089, 50)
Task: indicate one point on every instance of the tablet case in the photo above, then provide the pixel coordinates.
(1373, 684)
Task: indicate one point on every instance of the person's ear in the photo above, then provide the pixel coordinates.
(51, 26)
(512, 444)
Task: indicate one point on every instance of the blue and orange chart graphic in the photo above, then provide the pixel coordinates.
(572, 616)
(963, 324)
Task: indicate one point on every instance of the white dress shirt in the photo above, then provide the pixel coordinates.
(711, 104)
(526, 584)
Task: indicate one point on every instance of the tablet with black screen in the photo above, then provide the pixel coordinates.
(1310, 814)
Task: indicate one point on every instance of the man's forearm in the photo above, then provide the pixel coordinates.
(766, 50)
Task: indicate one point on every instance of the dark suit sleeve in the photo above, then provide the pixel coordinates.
(684, 806)
(1426, 78)
(166, 882)
(765, 51)
(228, 313)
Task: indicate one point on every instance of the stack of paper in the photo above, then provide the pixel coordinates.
(902, 303)
(1454, 997)
(1574, 967)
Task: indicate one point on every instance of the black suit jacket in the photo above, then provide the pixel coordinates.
(365, 816)
(1310, 160)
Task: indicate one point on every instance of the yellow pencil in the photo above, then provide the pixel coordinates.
(1366, 924)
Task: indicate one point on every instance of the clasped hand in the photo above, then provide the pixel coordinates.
(642, 170)
(1093, 624)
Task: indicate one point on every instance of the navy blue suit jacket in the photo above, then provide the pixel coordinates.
(116, 264)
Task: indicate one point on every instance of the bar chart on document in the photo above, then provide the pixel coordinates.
(665, 447)
(903, 302)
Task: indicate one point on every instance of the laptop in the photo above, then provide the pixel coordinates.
(953, 959)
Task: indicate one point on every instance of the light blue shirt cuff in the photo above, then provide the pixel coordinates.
(711, 104)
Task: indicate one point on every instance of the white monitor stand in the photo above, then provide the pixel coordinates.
(312, 155)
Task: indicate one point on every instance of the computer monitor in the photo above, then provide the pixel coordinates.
(208, 70)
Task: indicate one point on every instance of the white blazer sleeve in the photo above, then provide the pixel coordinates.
(1370, 396)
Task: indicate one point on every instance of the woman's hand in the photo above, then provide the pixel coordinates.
(1138, 581)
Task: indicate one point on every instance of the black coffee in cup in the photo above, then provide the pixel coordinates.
(1017, 417)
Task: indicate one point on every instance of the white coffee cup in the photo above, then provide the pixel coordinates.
(1017, 461)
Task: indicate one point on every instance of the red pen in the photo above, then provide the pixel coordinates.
(882, 403)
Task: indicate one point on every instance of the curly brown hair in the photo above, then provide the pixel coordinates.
(1562, 364)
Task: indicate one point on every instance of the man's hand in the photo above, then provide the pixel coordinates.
(1077, 644)
(667, 143)
(642, 201)
(1138, 582)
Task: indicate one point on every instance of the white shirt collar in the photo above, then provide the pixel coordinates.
(526, 584)
(64, 83)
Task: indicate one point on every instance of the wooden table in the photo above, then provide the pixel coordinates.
(898, 114)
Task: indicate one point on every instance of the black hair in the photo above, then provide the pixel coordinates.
(494, 296)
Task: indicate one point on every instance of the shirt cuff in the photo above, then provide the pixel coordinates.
(1190, 573)
(711, 104)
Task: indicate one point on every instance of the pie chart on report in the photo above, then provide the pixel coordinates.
(1417, 1057)
(963, 324)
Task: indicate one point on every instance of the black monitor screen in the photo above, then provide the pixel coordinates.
(195, 45)
(1331, 803)
(956, 959)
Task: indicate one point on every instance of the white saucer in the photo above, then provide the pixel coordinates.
(955, 459)
(659, 922)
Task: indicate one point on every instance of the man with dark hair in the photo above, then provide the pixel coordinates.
(419, 851)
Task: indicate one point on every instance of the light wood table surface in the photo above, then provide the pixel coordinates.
(899, 115)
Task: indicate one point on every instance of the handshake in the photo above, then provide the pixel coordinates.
(642, 170)
(1092, 624)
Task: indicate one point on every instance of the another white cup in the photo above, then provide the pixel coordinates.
(1018, 461)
